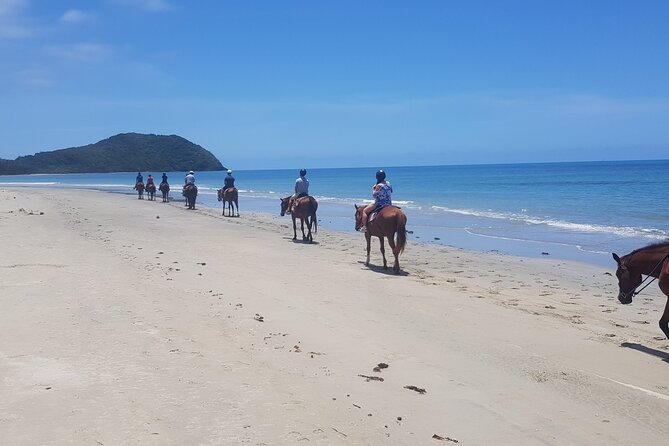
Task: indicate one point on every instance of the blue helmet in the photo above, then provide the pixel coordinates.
(380, 175)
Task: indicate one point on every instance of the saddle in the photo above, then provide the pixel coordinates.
(377, 210)
(375, 213)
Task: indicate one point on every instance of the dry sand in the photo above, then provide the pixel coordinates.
(127, 322)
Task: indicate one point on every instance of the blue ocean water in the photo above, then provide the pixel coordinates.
(580, 211)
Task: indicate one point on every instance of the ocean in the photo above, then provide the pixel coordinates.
(577, 211)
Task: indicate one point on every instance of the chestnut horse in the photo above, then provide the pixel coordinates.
(139, 187)
(229, 196)
(151, 191)
(650, 261)
(389, 221)
(305, 209)
(165, 189)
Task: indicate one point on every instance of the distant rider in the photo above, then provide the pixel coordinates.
(164, 180)
(140, 178)
(149, 181)
(190, 178)
(381, 192)
(301, 189)
(229, 181)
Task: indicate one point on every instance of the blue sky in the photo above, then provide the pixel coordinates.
(280, 84)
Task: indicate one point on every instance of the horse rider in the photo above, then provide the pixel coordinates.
(149, 181)
(164, 180)
(381, 192)
(301, 189)
(140, 178)
(190, 178)
(229, 181)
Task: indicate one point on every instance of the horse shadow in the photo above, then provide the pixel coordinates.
(301, 241)
(649, 351)
(387, 271)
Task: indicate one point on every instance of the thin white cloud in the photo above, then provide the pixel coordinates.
(590, 105)
(76, 16)
(12, 7)
(82, 52)
(30, 78)
(12, 25)
(148, 5)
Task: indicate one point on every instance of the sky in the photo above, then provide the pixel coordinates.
(311, 83)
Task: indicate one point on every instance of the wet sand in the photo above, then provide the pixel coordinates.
(132, 322)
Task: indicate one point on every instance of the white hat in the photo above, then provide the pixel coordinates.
(190, 172)
(229, 171)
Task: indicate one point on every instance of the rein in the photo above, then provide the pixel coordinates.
(649, 276)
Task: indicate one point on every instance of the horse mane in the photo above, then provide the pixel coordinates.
(664, 244)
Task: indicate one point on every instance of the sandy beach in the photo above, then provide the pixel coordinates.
(128, 322)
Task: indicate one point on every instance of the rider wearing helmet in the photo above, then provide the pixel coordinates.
(301, 189)
(229, 181)
(381, 192)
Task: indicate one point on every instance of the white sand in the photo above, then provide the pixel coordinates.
(118, 328)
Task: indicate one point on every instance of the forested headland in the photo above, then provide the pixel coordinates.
(125, 152)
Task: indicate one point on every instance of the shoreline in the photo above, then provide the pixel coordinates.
(510, 229)
(123, 324)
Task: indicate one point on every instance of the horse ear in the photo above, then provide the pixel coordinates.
(356, 206)
(616, 258)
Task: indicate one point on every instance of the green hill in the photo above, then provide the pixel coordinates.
(125, 152)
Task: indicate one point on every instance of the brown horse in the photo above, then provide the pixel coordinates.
(305, 209)
(650, 261)
(165, 189)
(229, 196)
(151, 191)
(139, 187)
(190, 192)
(389, 221)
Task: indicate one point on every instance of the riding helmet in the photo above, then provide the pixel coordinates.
(380, 175)
(303, 172)
(229, 171)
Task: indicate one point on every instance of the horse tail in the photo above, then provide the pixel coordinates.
(401, 231)
(314, 208)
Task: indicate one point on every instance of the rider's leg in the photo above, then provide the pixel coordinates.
(366, 210)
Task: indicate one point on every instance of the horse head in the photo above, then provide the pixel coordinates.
(629, 279)
(358, 216)
(220, 194)
(284, 205)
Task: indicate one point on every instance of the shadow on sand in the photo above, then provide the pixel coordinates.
(379, 269)
(647, 350)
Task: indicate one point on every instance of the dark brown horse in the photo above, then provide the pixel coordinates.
(139, 187)
(165, 189)
(190, 192)
(305, 209)
(230, 196)
(389, 221)
(650, 261)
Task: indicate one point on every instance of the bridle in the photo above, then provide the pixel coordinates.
(633, 291)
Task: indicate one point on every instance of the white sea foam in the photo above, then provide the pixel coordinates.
(622, 231)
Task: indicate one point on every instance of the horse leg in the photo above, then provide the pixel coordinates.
(383, 252)
(664, 286)
(237, 207)
(309, 223)
(294, 227)
(304, 237)
(369, 246)
(391, 243)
